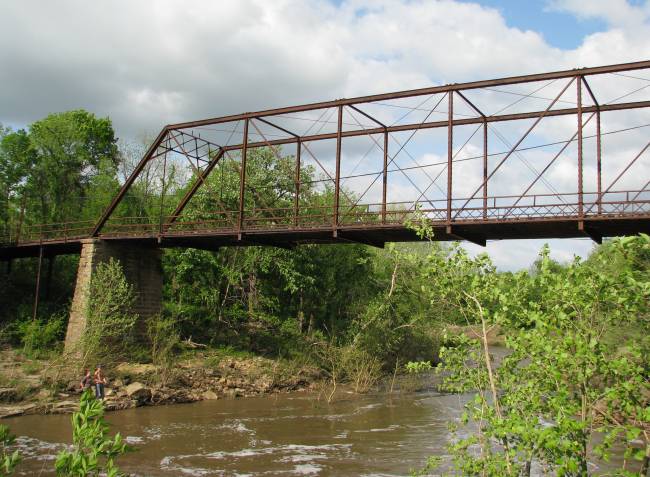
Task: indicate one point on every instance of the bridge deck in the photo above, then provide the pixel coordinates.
(478, 226)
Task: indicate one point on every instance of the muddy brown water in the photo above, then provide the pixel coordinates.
(291, 434)
(273, 435)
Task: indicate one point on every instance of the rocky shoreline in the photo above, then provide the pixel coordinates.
(134, 385)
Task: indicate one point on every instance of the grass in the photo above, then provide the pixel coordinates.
(214, 356)
(31, 367)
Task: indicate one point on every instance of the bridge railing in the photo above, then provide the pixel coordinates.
(55, 232)
(496, 209)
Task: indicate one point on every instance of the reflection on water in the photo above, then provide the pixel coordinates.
(275, 435)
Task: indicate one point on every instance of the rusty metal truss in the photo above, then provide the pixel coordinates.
(604, 205)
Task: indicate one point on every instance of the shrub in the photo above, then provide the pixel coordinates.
(163, 338)
(7, 461)
(110, 321)
(38, 336)
(93, 452)
(362, 369)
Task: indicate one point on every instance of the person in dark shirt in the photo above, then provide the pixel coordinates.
(86, 380)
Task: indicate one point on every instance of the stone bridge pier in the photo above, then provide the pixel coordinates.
(142, 269)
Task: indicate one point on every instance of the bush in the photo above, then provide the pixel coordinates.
(93, 452)
(163, 338)
(38, 336)
(109, 330)
(360, 368)
(7, 461)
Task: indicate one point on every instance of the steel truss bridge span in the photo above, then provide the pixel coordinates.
(552, 155)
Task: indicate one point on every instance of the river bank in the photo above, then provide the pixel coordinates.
(27, 387)
(31, 386)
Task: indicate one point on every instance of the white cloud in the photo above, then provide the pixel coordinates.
(148, 63)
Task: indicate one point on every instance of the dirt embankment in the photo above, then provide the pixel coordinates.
(25, 386)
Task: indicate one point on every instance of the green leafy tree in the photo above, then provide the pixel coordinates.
(562, 382)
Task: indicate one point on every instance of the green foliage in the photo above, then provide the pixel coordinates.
(417, 367)
(49, 170)
(109, 332)
(40, 336)
(163, 339)
(94, 452)
(561, 383)
(8, 461)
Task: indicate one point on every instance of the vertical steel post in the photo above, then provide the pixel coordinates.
(38, 280)
(48, 280)
(450, 147)
(598, 162)
(296, 199)
(579, 100)
(337, 180)
(242, 179)
(385, 180)
(162, 193)
(485, 168)
(21, 218)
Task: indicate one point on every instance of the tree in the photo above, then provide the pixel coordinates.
(562, 382)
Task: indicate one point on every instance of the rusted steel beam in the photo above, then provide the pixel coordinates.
(162, 196)
(514, 148)
(625, 169)
(279, 128)
(543, 171)
(472, 105)
(363, 113)
(579, 117)
(445, 123)
(360, 240)
(589, 232)
(195, 187)
(296, 199)
(337, 181)
(421, 92)
(197, 171)
(242, 180)
(591, 93)
(192, 136)
(485, 168)
(475, 239)
(37, 291)
(450, 151)
(384, 188)
(599, 168)
(127, 185)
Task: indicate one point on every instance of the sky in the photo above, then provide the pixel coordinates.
(149, 63)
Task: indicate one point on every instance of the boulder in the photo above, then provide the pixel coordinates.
(10, 411)
(64, 407)
(138, 391)
(210, 395)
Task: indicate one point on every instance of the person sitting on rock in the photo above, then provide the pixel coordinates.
(100, 381)
(86, 380)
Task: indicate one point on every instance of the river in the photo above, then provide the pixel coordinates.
(288, 434)
(372, 435)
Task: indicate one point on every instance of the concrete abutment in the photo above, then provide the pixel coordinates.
(142, 268)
